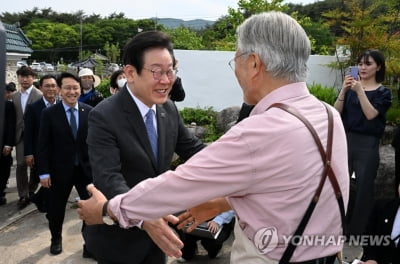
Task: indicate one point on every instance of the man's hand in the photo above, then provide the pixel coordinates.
(213, 227)
(46, 183)
(202, 212)
(6, 150)
(90, 210)
(30, 161)
(164, 236)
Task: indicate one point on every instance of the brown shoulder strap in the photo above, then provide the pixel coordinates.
(327, 172)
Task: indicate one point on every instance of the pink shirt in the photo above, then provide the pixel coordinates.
(269, 167)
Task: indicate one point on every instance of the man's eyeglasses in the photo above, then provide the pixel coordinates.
(158, 73)
(232, 63)
(50, 86)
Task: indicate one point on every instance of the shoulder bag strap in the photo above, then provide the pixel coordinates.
(327, 172)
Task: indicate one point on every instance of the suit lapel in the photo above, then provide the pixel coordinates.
(82, 119)
(136, 122)
(161, 132)
(32, 96)
(387, 218)
(17, 102)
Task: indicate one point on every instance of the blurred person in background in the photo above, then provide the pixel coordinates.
(117, 81)
(27, 94)
(363, 103)
(89, 82)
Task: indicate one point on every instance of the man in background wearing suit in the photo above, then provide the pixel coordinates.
(124, 150)
(23, 97)
(62, 156)
(48, 86)
(384, 222)
(6, 148)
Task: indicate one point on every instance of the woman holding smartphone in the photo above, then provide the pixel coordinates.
(363, 102)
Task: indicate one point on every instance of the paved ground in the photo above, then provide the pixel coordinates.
(25, 239)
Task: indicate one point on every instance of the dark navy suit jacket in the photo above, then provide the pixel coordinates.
(57, 147)
(31, 126)
(381, 224)
(121, 157)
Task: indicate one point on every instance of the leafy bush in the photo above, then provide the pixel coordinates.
(323, 93)
(199, 116)
(206, 117)
(393, 114)
(104, 87)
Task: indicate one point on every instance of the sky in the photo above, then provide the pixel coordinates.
(135, 9)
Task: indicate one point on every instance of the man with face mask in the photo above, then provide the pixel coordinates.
(89, 82)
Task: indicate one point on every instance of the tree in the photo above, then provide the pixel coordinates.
(369, 26)
(112, 51)
(185, 39)
(51, 39)
(223, 36)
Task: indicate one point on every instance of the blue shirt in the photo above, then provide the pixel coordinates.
(354, 119)
(224, 218)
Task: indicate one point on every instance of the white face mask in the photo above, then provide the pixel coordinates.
(87, 84)
(121, 83)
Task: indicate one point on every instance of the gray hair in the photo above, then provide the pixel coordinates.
(280, 41)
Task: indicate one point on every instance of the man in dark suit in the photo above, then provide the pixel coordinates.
(120, 149)
(62, 157)
(384, 222)
(48, 86)
(27, 94)
(6, 148)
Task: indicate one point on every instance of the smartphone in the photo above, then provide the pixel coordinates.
(354, 72)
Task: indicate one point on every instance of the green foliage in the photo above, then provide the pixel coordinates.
(393, 113)
(185, 39)
(48, 39)
(199, 116)
(104, 87)
(85, 54)
(206, 117)
(112, 51)
(323, 93)
(320, 36)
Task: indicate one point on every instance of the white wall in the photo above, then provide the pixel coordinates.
(209, 81)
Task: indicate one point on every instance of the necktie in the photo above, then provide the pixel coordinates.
(72, 122)
(151, 132)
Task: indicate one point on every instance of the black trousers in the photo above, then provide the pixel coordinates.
(57, 198)
(5, 170)
(363, 155)
(213, 246)
(33, 181)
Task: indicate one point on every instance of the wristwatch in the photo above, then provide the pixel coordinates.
(106, 218)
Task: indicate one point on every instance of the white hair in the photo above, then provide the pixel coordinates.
(280, 41)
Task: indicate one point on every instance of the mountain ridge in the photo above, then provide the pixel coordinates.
(175, 23)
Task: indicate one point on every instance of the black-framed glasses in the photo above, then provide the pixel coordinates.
(158, 73)
(232, 63)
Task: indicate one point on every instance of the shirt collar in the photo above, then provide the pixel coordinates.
(67, 107)
(280, 94)
(142, 107)
(27, 91)
(46, 103)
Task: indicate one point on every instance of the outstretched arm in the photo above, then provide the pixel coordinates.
(203, 212)
(91, 212)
